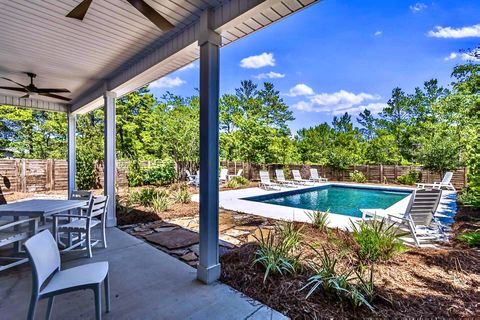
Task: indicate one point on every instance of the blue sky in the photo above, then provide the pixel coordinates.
(339, 56)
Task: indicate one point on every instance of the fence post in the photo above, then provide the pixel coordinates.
(48, 174)
(23, 176)
(381, 173)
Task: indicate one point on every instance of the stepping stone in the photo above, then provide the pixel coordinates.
(165, 229)
(189, 256)
(236, 233)
(229, 239)
(174, 239)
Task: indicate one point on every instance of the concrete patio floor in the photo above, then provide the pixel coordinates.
(146, 283)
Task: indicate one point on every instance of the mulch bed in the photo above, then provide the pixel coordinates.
(417, 283)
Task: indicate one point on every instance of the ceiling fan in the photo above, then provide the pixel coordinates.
(151, 14)
(31, 90)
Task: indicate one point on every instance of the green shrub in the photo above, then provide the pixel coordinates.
(134, 173)
(468, 198)
(182, 195)
(358, 176)
(86, 177)
(289, 233)
(319, 219)
(377, 239)
(275, 254)
(410, 178)
(470, 238)
(338, 284)
(145, 196)
(161, 173)
(236, 182)
(161, 202)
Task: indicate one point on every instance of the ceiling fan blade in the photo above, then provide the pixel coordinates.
(152, 15)
(45, 90)
(55, 96)
(21, 85)
(80, 11)
(25, 96)
(14, 89)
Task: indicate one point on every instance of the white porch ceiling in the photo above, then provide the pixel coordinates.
(114, 48)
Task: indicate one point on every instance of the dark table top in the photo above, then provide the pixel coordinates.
(40, 207)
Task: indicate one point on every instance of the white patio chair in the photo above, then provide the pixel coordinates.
(14, 232)
(265, 182)
(190, 177)
(298, 178)
(223, 176)
(49, 281)
(84, 224)
(314, 177)
(281, 179)
(446, 182)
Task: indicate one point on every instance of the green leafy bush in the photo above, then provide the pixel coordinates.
(161, 202)
(319, 219)
(134, 173)
(410, 178)
(86, 177)
(182, 195)
(377, 239)
(470, 238)
(236, 182)
(145, 196)
(160, 174)
(358, 176)
(467, 197)
(276, 253)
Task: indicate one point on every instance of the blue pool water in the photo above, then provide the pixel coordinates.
(345, 200)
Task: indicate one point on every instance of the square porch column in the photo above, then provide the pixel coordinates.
(109, 166)
(71, 152)
(208, 269)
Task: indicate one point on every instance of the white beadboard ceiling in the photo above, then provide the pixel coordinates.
(114, 47)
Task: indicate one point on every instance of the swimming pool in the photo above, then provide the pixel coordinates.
(344, 200)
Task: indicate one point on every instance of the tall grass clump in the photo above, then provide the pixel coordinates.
(377, 239)
(182, 195)
(471, 238)
(161, 202)
(277, 250)
(319, 219)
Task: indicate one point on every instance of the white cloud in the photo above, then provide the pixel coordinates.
(463, 56)
(452, 56)
(270, 75)
(378, 33)
(300, 89)
(339, 102)
(259, 61)
(417, 7)
(189, 66)
(167, 82)
(455, 33)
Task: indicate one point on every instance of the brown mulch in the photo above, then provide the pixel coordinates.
(141, 214)
(417, 283)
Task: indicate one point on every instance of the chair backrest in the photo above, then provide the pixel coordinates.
(264, 177)
(313, 173)
(239, 173)
(44, 257)
(296, 175)
(447, 177)
(424, 205)
(81, 195)
(99, 207)
(279, 174)
(187, 173)
(223, 174)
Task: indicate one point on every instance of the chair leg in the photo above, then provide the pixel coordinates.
(104, 234)
(49, 307)
(32, 307)
(98, 302)
(89, 244)
(107, 293)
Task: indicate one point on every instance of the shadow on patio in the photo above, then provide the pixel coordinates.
(146, 283)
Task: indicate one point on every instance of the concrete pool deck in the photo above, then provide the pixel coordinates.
(234, 200)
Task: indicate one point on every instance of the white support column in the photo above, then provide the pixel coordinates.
(208, 269)
(71, 152)
(109, 166)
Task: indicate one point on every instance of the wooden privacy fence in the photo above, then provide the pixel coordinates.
(20, 175)
(374, 173)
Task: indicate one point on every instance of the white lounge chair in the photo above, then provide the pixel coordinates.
(298, 178)
(49, 281)
(265, 182)
(439, 185)
(314, 177)
(239, 174)
(190, 177)
(223, 176)
(281, 179)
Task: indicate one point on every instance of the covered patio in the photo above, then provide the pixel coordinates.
(112, 52)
